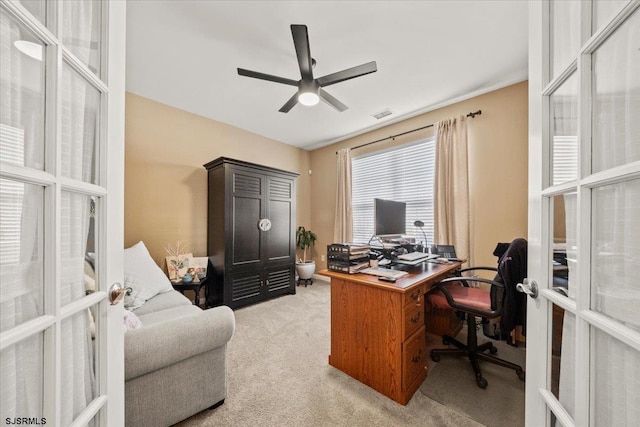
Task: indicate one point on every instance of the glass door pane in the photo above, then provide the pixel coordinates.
(22, 373)
(21, 253)
(22, 85)
(615, 371)
(78, 365)
(81, 30)
(563, 353)
(565, 34)
(565, 232)
(80, 111)
(603, 11)
(615, 288)
(78, 277)
(616, 98)
(563, 110)
(38, 8)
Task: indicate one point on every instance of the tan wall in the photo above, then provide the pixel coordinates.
(497, 169)
(165, 183)
(559, 220)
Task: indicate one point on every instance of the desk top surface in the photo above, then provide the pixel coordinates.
(417, 276)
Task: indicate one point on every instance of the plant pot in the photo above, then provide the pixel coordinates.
(305, 270)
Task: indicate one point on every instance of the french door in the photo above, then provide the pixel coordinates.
(61, 209)
(583, 329)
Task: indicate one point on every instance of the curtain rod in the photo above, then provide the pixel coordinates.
(472, 115)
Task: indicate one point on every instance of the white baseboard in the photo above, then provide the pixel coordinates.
(321, 278)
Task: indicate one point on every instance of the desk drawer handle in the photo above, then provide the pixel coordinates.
(415, 318)
(416, 296)
(416, 359)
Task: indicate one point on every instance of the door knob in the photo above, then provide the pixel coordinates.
(117, 292)
(264, 224)
(529, 287)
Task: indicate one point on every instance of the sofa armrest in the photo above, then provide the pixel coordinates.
(162, 344)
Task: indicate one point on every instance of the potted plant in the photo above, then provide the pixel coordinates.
(305, 239)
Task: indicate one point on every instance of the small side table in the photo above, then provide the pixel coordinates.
(195, 287)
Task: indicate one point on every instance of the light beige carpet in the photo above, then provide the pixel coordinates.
(279, 375)
(452, 383)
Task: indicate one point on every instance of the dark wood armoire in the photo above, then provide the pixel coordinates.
(251, 232)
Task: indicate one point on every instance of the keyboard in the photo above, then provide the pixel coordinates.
(384, 272)
(414, 256)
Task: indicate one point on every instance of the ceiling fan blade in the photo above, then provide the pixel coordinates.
(349, 73)
(329, 99)
(269, 77)
(289, 104)
(303, 51)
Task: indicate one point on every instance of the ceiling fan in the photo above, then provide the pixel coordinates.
(310, 89)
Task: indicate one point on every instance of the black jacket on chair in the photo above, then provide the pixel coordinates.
(512, 268)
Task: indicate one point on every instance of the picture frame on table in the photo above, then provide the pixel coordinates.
(178, 266)
(198, 267)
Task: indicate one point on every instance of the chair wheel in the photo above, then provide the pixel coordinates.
(435, 356)
(482, 383)
(521, 375)
(493, 350)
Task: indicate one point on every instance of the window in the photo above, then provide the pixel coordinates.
(404, 174)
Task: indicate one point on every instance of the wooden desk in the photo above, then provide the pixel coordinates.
(377, 328)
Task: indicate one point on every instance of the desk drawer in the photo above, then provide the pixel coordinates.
(415, 296)
(413, 319)
(414, 359)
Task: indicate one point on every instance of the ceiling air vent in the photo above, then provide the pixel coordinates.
(384, 113)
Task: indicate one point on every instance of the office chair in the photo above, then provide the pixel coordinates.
(473, 302)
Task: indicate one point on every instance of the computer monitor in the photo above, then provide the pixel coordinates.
(390, 217)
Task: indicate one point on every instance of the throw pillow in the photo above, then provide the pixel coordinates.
(143, 276)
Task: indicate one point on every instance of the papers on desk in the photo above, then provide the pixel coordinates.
(384, 272)
(404, 261)
(415, 256)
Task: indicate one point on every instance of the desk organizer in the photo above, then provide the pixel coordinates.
(347, 258)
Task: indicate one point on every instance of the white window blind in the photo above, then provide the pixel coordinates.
(403, 174)
(565, 159)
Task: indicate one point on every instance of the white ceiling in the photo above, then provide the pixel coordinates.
(429, 53)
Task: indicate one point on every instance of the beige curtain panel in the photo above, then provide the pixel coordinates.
(343, 219)
(451, 201)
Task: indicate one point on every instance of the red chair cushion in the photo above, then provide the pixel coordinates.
(478, 298)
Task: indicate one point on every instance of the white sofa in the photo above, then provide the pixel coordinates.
(175, 362)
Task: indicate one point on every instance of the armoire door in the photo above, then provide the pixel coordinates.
(278, 281)
(278, 247)
(243, 287)
(245, 239)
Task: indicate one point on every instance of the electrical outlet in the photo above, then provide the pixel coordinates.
(321, 257)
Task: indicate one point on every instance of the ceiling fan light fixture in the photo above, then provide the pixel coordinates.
(31, 49)
(308, 98)
(310, 89)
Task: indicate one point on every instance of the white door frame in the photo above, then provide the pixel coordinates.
(538, 397)
(113, 368)
(108, 405)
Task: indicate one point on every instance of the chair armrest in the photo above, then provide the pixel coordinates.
(162, 344)
(466, 308)
(463, 270)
